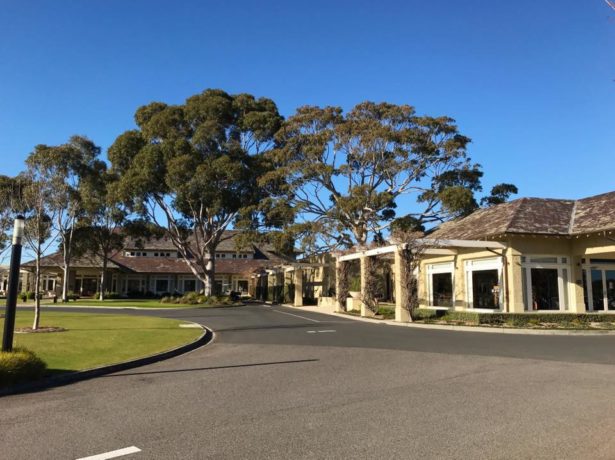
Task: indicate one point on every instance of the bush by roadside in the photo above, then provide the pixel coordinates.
(20, 365)
(194, 298)
(524, 320)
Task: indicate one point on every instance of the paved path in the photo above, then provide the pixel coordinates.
(287, 384)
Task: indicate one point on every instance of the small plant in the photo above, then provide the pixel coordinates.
(30, 295)
(20, 365)
(23, 296)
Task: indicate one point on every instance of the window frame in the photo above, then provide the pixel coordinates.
(435, 269)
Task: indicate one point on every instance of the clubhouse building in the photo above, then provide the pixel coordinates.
(527, 255)
(155, 267)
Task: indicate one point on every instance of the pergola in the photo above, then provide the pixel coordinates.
(298, 269)
(428, 246)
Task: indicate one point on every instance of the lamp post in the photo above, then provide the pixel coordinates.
(11, 296)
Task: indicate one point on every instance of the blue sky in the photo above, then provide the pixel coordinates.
(530, 81)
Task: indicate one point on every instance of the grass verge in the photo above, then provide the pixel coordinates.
(93, 340)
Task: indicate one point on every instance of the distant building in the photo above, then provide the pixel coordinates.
(154, 266)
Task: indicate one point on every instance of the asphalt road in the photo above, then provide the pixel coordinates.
(278, 383)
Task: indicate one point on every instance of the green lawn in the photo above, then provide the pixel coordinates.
(93, 340)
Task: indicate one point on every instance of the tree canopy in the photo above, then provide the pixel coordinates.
(343, 173)
(193, 168)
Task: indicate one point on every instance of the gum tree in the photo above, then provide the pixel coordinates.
(63, 169)
(192, 169)
(102, 230)
(344, 173)
(33, 203)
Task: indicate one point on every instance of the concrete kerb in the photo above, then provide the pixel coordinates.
(206, 338)
(443, 327)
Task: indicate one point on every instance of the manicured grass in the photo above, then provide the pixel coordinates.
(93, 340)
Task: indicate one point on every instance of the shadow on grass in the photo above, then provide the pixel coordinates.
(212, 368)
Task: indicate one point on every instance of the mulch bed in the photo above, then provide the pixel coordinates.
(42, 329)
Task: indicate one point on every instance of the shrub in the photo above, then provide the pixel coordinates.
(23, 296)
(30, 295)
(191, 298)
(20, 365)
(354, 284)
(386, 312)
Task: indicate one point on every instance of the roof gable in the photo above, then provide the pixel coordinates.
(544, 216)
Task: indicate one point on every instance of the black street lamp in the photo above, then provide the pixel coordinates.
(11, 296)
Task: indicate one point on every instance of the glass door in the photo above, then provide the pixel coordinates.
(609, 279)
(597, 290)
(545, 289)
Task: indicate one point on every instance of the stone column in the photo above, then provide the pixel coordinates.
(364, 310)
(401, 293)
(576, 301)
(339, 307)
(298, 287)
(515, 282)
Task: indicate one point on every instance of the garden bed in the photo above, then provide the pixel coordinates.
(583, 321)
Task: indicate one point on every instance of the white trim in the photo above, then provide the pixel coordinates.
(603, 268)
(492, 263)
(439, 268)
(559, 266)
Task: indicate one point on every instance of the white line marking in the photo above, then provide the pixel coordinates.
(327, 330)
(311, 332)
(113, 454)
(298, 316)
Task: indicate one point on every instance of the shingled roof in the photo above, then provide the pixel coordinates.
(542, 216)
(263, 257)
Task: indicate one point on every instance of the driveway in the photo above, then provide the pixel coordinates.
(287, 384)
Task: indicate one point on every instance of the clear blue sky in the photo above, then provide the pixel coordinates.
(530, 81)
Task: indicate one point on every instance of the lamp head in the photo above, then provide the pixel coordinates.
(18, 229)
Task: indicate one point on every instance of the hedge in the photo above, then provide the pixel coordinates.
(513, 319)
(20, 365)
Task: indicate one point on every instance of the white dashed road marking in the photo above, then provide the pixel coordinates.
(113, 454)
(298, 316)
(324, 330)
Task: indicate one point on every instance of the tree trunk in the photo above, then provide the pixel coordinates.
(210, 273)
(37, 296)
(101, 295)
(65, 283)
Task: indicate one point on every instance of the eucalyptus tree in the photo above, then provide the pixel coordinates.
(192, 169)
(34, 199)
(101, 232)
(63, 170)
(343, 173)
(7, 208)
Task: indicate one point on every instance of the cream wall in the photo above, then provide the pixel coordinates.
(573, 248)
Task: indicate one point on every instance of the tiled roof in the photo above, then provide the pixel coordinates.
(263, 257)
(534, 216)
(227, 244)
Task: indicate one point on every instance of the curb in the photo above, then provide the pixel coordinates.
(485, 329)
(77, 376)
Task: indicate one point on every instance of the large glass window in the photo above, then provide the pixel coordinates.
(600, 291)
(485, 289)
(545, 289)
(545, 282)
(440, 284)
(483, 283)
(189, 285)
(162, 285)
(442, 289)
